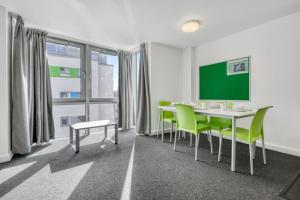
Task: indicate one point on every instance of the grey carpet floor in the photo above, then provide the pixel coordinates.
(54, 171)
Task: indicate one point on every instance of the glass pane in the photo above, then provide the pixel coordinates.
(103, 111)
(104, 75)
(64, 115)
(64, 67)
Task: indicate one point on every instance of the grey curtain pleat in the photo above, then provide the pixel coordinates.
(19, 90)
(39, 90)
(31, 108)
(143, 119)
(125, 90)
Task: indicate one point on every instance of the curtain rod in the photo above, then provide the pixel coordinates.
(72, 39)
(13, 14)
(62, 36)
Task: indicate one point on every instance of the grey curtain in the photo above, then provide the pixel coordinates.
(39, 88)
(31, 108)
(143, 119)
(125, 90)
(20, 133)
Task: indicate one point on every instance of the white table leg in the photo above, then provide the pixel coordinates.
(105, 132)
(233, 145)
(159, 121)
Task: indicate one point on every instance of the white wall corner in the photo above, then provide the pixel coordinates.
(5, 147)
(6, 158)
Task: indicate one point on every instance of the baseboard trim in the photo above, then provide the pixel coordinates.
(6, 158)
(270, 146)
(281, 149)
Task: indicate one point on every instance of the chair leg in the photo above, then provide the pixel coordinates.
(254, 150)
(191, 139)
(211, 143)
(251, 158)
(220, 147)
(196, 147)
(175, 138)
(171, 133)
(264, 151)
(162, 131)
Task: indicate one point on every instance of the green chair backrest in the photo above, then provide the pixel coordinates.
(224, 121)
(167, 114)
(256, 128)
(186, 118)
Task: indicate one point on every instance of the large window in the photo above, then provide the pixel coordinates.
(84, 83)
(104, 74)
(65, 67)
(103, 94)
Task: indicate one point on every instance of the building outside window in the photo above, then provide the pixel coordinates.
(78, 98)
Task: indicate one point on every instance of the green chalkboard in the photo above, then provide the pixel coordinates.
(216, 84)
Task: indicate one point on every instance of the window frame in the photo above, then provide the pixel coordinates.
(89, 69)
(82, 70)
(85, 76)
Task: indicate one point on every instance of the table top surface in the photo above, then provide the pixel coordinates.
(215, 111)
(92, 124)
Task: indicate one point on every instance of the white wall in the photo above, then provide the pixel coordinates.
(274, 48)
(165, 76)
(188, 63)
(5, 152)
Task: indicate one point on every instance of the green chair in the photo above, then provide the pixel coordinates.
(218, 124)
(200, 119)
(187, 122)
(166, 116)
(250, 136)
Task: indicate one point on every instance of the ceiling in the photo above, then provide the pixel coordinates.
(126, 23)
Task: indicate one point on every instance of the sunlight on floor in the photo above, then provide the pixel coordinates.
(126, 191)
(10, 172)
(48, 181)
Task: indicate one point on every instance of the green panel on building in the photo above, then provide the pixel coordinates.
(71, 72)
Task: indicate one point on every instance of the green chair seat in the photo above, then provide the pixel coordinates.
(203, 127)
(201, 118)
(170, 120)
(217, 125)
(241, 134)
(200, 128)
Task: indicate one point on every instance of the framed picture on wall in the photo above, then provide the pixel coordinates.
(238, 66)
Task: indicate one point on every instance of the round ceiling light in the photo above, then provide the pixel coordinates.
(191, 25)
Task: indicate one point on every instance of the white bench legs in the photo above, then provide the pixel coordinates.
(77, 140)
(83, 126)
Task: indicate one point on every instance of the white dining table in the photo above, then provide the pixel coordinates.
(230, 114)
